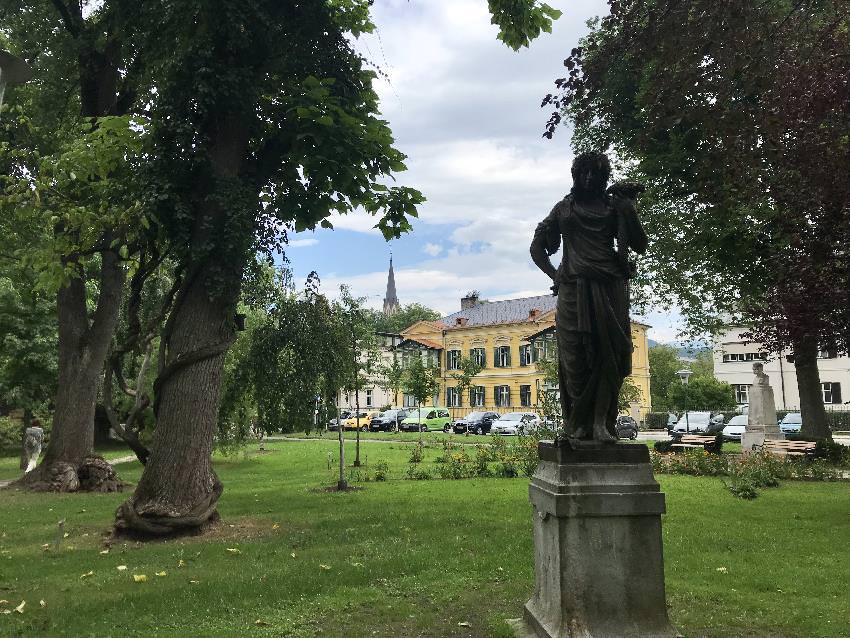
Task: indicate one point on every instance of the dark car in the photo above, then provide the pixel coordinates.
(343, 415)
(475, 422)
(627, 427)
(387, 421)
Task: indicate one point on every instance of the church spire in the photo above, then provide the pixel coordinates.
(391, 304)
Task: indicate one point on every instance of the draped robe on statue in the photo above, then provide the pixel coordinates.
(592, 322)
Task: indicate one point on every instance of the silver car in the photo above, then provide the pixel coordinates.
(734, 430)
(515, 423)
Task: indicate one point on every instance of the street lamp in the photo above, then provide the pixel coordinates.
(13, 70)
(684, 375)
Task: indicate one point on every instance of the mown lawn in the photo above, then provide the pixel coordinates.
(403, 558)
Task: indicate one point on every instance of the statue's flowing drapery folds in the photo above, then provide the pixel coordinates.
(592, 318)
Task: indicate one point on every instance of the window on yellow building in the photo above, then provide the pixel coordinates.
(503, 396)
(452, 398)
(525, 355)
(479, 355)
(476, 396)
(502, 357)
(525, 396)
(452, 359)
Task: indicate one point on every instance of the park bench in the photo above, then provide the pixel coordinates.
(693, 441)
(787, 448)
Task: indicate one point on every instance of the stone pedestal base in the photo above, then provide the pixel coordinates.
(756, 435)
(598, 563)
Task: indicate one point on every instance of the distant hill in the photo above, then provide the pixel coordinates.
(686, 350)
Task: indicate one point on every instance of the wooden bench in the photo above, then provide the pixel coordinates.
(787, 448)
(693, 441)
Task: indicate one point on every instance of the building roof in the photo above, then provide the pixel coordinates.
(487, 313)
(421, 341)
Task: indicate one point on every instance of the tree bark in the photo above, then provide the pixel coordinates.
(812, 409)
(82, 353)
(342, 484)
(178, 491)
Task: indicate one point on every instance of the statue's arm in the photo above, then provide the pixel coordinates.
(547, 240)
(634, 232)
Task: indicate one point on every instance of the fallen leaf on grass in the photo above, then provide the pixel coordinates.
(4, 602)
(162, 573)
(722, 570)
(275, 526)
(357, 564)
(20, 608)
(463, 624)
(194, 582)
(66, 535)
(140, 578)
(42, 603)
(104, 551)
(121, 568)
(325, 566)
(261, 623)
(234, 550)
(87, 575)
(5, 611)
(292, 554)
(181, 563)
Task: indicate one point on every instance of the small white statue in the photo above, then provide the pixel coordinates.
(32, 446)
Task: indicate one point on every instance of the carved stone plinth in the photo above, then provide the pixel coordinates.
(599, 570)
(761, 417)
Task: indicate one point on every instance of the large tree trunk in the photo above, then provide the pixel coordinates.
(82, 352)
(179, 490)
(808, 383)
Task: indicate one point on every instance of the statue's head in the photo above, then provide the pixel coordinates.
(758, 369)
(591, 172)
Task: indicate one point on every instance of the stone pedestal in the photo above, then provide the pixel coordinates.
(761, 415)
(598, 565)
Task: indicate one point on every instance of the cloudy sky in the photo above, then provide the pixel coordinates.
(465, 109)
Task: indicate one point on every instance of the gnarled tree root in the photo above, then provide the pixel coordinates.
(94, 474)
(139, 518)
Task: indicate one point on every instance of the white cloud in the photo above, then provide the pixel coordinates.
(433, 249)
(302, 243)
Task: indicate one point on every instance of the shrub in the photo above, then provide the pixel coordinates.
(663, 446)
(417, 453)
(507, 468)
(482, 458)
(382, 470)
(10, 433)
(742, 488)
(656, 421)
(455, 466)
(415, 473)
(832, 452)
(839, 420)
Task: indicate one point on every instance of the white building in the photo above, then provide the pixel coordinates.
(374, 394)
(733, 363)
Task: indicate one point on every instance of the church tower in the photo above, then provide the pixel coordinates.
(391, 304)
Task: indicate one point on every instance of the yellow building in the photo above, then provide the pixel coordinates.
(498, 334)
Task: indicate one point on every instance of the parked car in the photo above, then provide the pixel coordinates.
(475, 422)
(426, 419)
(791, 423)
(627, 427)
(360, 422)
(734, 430)
(693, 422)
(388, 421)
(343, 415)
(515, 423)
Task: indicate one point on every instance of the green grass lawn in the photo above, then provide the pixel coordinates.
(404, 558)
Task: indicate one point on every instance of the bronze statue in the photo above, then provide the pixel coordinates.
(592, 322)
